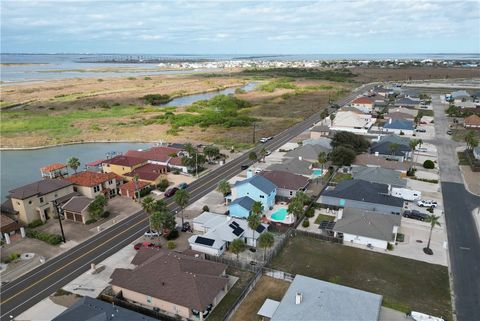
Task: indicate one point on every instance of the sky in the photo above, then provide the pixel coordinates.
(241, 27)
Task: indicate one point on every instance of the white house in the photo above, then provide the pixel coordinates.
(351, 121)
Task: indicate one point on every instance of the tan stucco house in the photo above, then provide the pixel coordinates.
(92, 184)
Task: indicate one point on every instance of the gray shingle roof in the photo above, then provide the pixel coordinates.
(404, 124)
(90, 309)
(245, 202)
(406, 102)
(286, 180)
(363, 191)
(379, 175)
(325, 301)
(77, 204)
(294, 165)
(368, 224)
(383, 145)
(259, 182)
(307, 152)
(39, 188)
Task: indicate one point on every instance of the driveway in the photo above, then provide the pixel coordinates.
(463, 237)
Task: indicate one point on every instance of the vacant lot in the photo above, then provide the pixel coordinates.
(405, 284)
(221, 309)
(266, 288)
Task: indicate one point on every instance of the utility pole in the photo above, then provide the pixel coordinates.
(196, 164)
(253, 136)
(55, 204)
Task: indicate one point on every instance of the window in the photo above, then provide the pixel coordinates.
(29, 202)
(41, 199)
(291, 193)
(75, 189)
(110, 182)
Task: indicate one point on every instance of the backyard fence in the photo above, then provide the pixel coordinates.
(278, 274)
(319, 236)
(251, 266)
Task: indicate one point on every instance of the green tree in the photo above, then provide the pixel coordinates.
(342, 155)
(295, 207)
(73, 163)
(471, 140)
(181, 198)
(262, 153)
(434, 221)
(211, 152)
(413, 146)
(224, 188)
(237, 246)
(160, 205)
(265, 241)
(148, 205)
(163, 221)
(322, 159)
(96, 208)
(254, 219)
(253, 156)
(346, 139)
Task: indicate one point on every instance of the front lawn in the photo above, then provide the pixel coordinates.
(405, 284)
(340, 177)
(323, 217)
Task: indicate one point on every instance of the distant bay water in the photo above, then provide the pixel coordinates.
(37, 67)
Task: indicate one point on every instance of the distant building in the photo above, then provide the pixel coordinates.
(371, 160)
(407, 102)
(472, 122)
(364, 103)
(354, 122)
(319, 131)
(308, 152)
(460, 96)
(54, 170)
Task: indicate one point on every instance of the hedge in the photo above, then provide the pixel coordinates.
(35, 223)
(53, 239)
(306, 223)
(429, 164)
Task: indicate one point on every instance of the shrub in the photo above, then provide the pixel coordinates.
(53, 239)
(172, 235)
(389, 246)
(310, 212)
(402, 133)
(306, 223)
(162, 186)
(35, 223)
(147, 78)
(90, 221)
(400, 237)
(105, 214)
(14, 256)
(428, 164)
(205, 208)
(157, 99)
(430, 210)
(171, 245)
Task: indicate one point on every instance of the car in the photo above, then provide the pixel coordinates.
(421, 149)
(416, 215)
(269, 152)
(421, 130)
(258, 170)
(138, 246)
(186, 227)
(157, 192)
(244, 167)
(171, 192)
(427, 203)
(182, 186)
(449, 132)
(151, 233)
(263, 139)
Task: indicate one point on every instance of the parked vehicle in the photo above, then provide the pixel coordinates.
(422, 149)
(449, 132)
(156, 192)
(186, 227)
(138, 246)
(258, 170)
(171, 192)
(263, 140)
(421, 130)
(269, 152)
(244, 167)
(406, 193)
(427, 203)
(150, 233)
(182, 186)
(416, 215)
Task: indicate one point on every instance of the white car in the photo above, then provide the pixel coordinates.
(427, 203)
(157, 192)
(263, 139)
(150, 233)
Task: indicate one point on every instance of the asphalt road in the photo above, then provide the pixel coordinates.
(26, 291)
(463, 237)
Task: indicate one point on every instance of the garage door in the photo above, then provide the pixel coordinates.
(78, 218)
(69, 216)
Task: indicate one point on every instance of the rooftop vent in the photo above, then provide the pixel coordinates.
(298, 298)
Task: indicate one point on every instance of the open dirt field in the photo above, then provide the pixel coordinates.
(366, 75)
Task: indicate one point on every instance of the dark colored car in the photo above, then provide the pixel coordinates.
(138, 246)
(244, 167)
(171, 192)
(416, 215)
(182, 186)
(186, 227)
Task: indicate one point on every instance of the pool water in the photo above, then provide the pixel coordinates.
(317, 172)
(280, 214)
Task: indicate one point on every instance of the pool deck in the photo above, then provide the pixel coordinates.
(289, 219)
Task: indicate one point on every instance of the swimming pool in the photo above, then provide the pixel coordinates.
(280, 214)
(317, 172)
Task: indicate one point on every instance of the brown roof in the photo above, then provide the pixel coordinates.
(176, 161)
(372, 160)
(123, 160)
(39, 188)
(130, 186)
(363, 100)
(148, 172)
(472, 120)
(53, 167)
(159, 154)
(90, 179)
(173, 277)
(285, 180)
(77, 204)
(7, 224)
(399, 115)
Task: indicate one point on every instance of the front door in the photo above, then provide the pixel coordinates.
(46, 212)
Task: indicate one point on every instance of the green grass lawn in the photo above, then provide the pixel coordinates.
(323, 217)
(340, 177)
(221, 309)
(405, 284)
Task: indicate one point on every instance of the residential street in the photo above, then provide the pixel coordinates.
(463, 238)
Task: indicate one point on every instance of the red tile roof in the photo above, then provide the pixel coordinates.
(363, 100)
(472, 120)
(53, 167)
(90, 179)
(123, 160)
(148, 172)
(130, 186)
(176, 161)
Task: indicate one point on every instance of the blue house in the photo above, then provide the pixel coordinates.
(253, 189)
(398, 126)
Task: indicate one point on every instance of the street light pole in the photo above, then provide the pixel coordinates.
(253, 136)
(55, 204)
(196, 164)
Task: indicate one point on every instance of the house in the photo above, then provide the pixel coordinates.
(130, 190)
(460, 96)
(364, 227)
(90, 309)
(392, 147)
(472, 122)
(295, 166)
(476, 153)
(122, 164)
(364, 103)
(150, 173)
(288, 184)
(257, 188)
(241, 207)
(350, 121)
(91, 184)
(371, 160)
(8, 226)
(176, 164)
(308, 152)
(161, 155)
(76, 209)
(219, 231)
(399, 126)
(34, 201)
(411, 93)
(357, 193)
(319, 131)
(382, 91)
(173, 283)
(54, 170)
(399, 115)
(322, 141)
(378, 175)
(310, 299)
(407, 102)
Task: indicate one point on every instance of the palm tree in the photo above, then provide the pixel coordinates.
(434, 221)
(263, 154)
(135, 183)
(254, 219)
(224, 188)
(413, 145)
(182, 197)
(73, 163)
(471, 140)
(253, 156)
(237, 246)
(393, 147)
(265, 240)
(149, 206)
(322, 159)
(297, 204)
